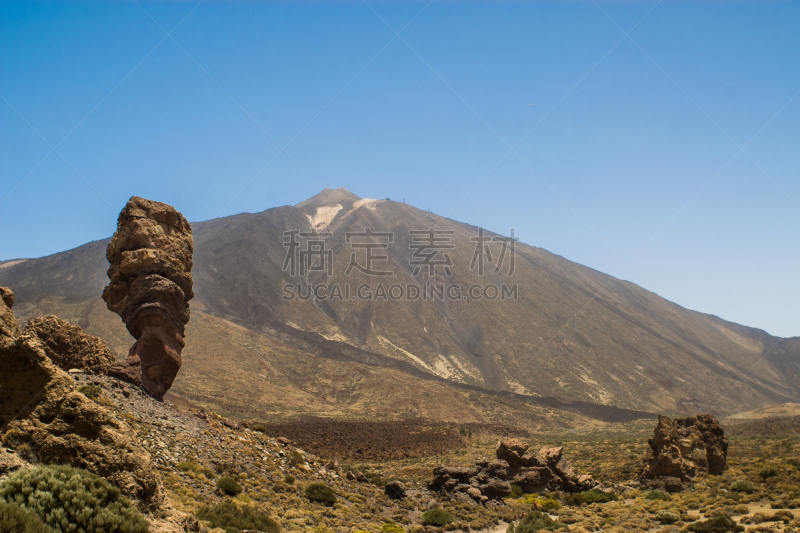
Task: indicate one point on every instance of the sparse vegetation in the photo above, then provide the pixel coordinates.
(591, 496)
(436, 517)
(318, 492)
(536, 521)
(62, 495)
(717, 524)
(228, 485)
(657, 495)
(90, 391)
(234, 518)
(667, 517)
(743, 485)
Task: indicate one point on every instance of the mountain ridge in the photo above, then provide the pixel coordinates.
(574, 332)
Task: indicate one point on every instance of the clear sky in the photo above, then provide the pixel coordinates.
(656, 142)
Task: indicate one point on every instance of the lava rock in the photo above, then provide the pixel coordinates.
(686, 447)
(150, 285)
(395, 490)
(69, 347)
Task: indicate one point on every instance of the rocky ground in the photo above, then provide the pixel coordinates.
(192, 450)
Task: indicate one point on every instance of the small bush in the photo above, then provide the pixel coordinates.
(63, 496)
(657, 495)
(90, 391)
(516, 490)
(288, 478)
(233, 518)
(591, 496)
(549, 505)
(15, 519)
(667, 517)
(536, 521)
(743, 485)
(768, 472)
(436, 517)
(317, 492)
(228, 485)
(718, 524)
(392, 528)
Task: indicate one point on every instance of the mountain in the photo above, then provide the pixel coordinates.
(564, 336)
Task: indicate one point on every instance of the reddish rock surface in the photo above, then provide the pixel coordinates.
(69, 347)
(150, 288)
(686, 447)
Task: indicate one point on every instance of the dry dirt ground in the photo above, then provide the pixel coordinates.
(192, 451)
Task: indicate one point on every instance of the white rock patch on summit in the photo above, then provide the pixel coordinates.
(323, 216)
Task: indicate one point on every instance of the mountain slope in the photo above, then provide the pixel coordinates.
(571, 333)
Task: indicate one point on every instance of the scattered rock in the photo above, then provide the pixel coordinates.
(685, 447)
(333, 465)
(395, 490)
(432, 504)
(150, 287)
(515, 464)
(69, 347)
(284, 441)
(230, 424)
(350, 476)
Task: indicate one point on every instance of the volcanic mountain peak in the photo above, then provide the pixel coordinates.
(329, 197)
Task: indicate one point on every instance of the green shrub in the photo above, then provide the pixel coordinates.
(657, 495)
(375, 479)
(667, 517)
(392, 528)
(317, 492)
(233, 518)
(288, 478)
(516, 491)
(768, 472)
(15, 519)
(90, 391)
(63, 496)
(549, 505)
(743, 485)
(259, 428)
(718, 524)
(591, 496)
(228, 485)
(536, 521)
(436, 517)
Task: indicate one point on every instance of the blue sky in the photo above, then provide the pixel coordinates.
(668, 157)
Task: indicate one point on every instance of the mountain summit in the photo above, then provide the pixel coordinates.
(439, 300)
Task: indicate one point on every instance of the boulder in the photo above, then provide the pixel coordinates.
(395, 490)
(69, 347)
(150, 285)
(547, 470)
(8, 323)
(40, 407)
(684, 448)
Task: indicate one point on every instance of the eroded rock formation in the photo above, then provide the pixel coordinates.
(150, 288)
(69, 347)
(515, 464)
(40, 407)
(686, 447)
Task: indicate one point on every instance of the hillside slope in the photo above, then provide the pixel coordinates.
(571, 333)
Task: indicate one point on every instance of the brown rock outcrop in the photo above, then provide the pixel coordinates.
(150, 287)
(516, 464)
(686, 447)
(69, 347)
(40, 406)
